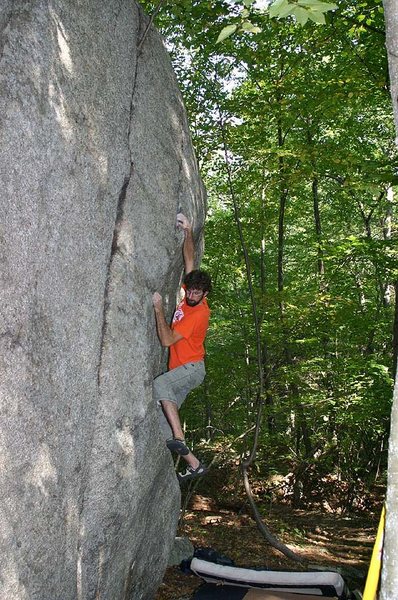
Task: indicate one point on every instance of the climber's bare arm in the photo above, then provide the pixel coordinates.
(188, 249)
(167, 336)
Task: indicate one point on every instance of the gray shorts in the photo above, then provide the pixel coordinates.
(176, 384)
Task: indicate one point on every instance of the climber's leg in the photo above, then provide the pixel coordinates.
(170, 391)
(171, 411)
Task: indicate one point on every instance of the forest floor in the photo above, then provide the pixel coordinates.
(322, 537)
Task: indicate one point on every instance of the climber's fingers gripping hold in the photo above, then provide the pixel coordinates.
(182, 222)
(157, 300)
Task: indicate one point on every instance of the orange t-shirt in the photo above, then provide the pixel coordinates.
(192, 323)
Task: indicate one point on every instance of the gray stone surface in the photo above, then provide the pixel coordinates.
(95, 158)
(182, 549)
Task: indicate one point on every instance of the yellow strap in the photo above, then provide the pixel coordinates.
(372, 580)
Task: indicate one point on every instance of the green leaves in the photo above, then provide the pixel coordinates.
(249, 27)
(280, 8)
(226, 32)
(302, 10)
(303, 114)
(246, 27)
(243, 26)
(301, 15)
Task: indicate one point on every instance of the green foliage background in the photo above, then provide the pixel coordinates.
(306, 118)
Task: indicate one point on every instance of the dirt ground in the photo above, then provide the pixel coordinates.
(321, 538)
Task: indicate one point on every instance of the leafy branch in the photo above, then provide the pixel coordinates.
(301, 10)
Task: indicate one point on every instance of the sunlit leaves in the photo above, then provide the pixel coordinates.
(302, 10)
(301, 15)
(249, 27)
(226, 32)
(280, 8)
(244, 24)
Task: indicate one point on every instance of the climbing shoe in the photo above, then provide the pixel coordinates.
(192, 473)
(178, 446)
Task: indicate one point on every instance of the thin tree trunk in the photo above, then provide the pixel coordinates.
(269, 401)
(265, 354)
(387, 223)
(209, 413)
(315, 198)
(245, 464)
(271, 539)
(301, 429)
(281, 225)
(262, 249)
(318, 228)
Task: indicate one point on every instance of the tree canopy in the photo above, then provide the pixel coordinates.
(294, 135)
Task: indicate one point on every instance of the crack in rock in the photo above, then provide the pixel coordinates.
(115, 248)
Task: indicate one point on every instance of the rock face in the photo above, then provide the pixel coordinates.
(182, 549)
(95, 161)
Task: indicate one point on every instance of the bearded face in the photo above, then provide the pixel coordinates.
(194, 297)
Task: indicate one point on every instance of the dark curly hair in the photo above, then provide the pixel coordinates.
(198, 280)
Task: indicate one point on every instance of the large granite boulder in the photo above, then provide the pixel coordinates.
(95, 162)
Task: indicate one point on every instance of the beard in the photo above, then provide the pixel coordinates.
(193, 302)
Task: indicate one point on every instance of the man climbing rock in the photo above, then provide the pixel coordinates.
(185, 340)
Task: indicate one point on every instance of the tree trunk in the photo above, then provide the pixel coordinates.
(387, 227)
(389, 584)
(246, 464)
(317, 214)
(301, 430)
(269, 403)
(209, 413)
(262, 249)
(281, 224)
(389, 580)
(391, 18)
(318, 228)
(395, 334)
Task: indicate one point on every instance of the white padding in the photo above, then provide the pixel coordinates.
(306, 582)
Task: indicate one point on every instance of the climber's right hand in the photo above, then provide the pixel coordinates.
(157, 301)
(182, 222)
